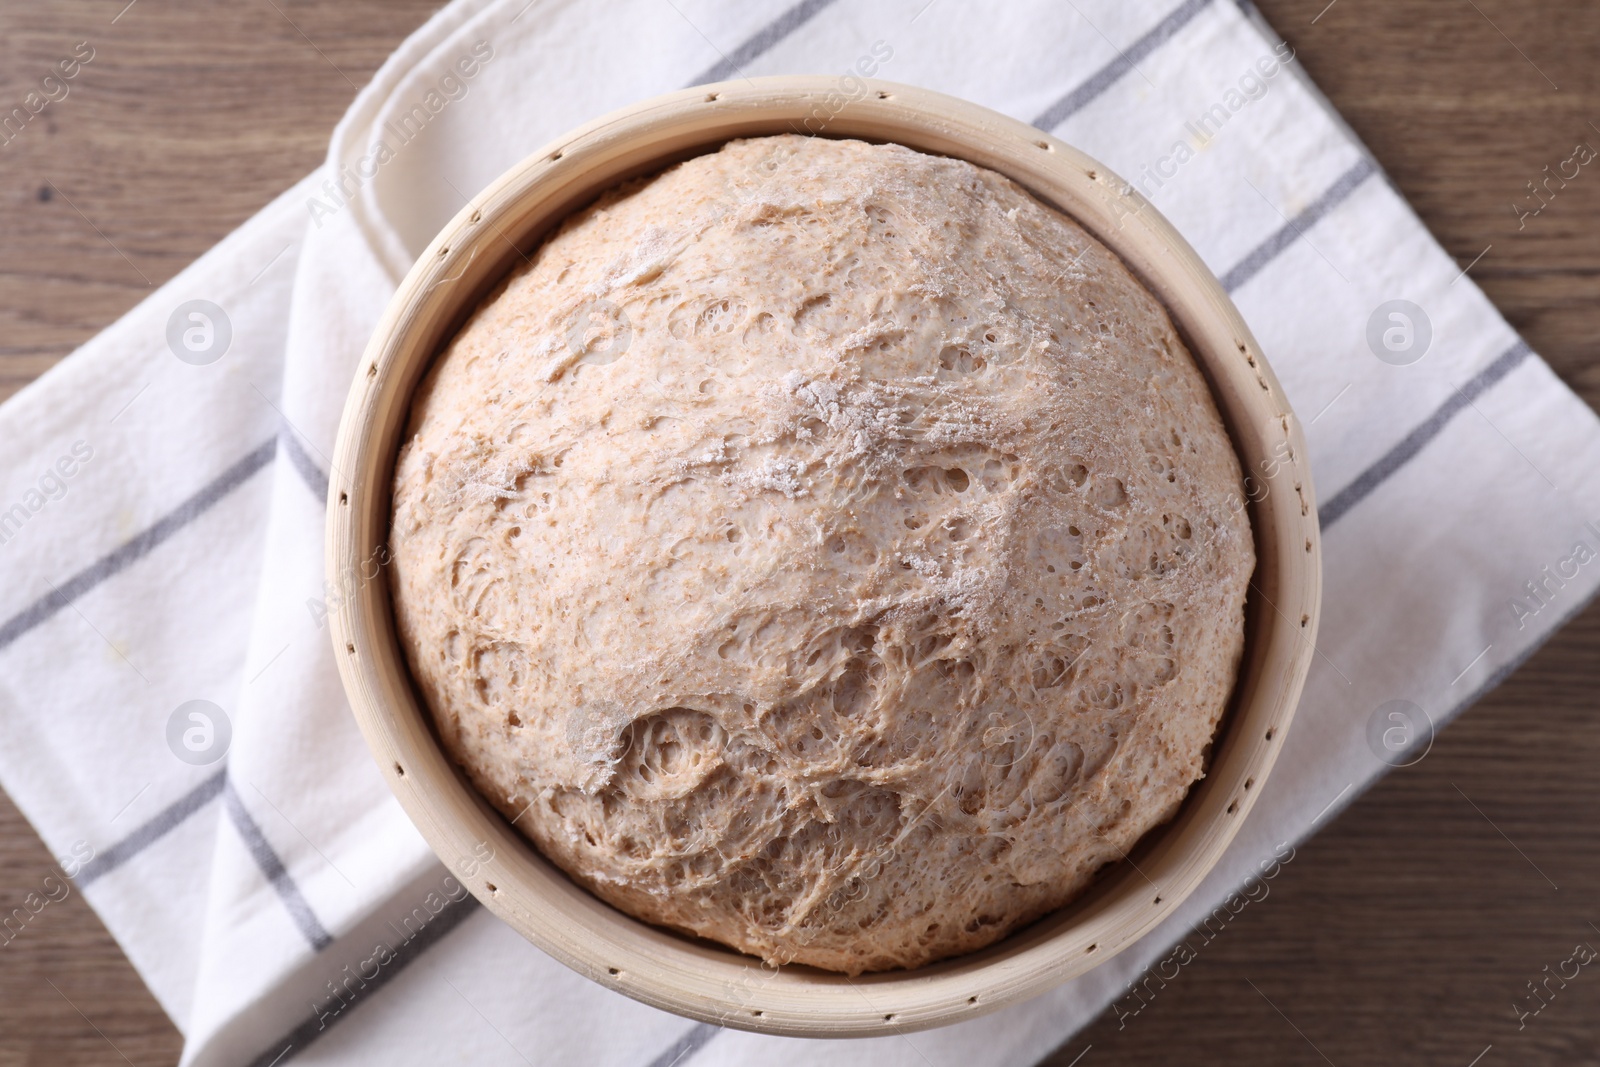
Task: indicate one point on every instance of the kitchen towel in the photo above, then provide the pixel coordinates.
(174, 724)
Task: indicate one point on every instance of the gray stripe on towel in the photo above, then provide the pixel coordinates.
(1414, 442)
(687, 1045)
(272, 867)
(1108, 75)
(140, 546)
(769, 35)
(1295, 228)
(152, 830)
(303, 464)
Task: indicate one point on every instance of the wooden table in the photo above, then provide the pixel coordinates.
(1401, 934)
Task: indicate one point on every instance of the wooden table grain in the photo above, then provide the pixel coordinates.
(1402, 933)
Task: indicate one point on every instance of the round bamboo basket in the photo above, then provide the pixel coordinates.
(702, 980)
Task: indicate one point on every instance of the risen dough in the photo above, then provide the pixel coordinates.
(824, 548)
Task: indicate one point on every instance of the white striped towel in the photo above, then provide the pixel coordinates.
(161, 518)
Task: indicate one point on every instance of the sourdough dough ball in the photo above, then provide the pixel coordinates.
(823, 548)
